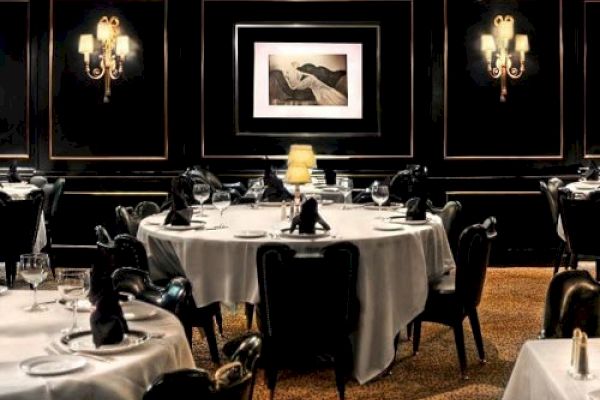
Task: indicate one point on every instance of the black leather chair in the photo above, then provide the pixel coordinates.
(449, 215)
(52, 195)
(296, 325)
(550, 192)
(580, 214)
(452, 299)
(128, 218)
(572, 301)
(199, 384)
(38, 180)
(20, 220)
(126, 251)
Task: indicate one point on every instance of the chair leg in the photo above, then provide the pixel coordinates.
(409, 329)
(459, 339)
(209, 331)
(416, 335)
(474, 320)
(559, 255)
(218, 317)
(573, 261)
(249, 315)
(271, 378)
(343, 365)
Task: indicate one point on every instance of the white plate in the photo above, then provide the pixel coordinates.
(52, 365)
(250, 234)
(135, 311)
(587, 185)
(83, 342)
(192, 225)
(3, 289)
(326, 202)
(270, 204)
(409, 222)
(319, 233)
(331, 189)
(388, 227)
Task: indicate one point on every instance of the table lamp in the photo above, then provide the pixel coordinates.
(300, 159)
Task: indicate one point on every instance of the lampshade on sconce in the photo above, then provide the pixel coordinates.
(496, 50)
(113, 49)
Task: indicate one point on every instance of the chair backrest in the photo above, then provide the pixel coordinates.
(171, 297)
(287, 314)
(38, 180)
(580, 215)
(182, 384)
(20, 220)
(53, 193)
(550, 192)
(474, 248)
(102, 235)
(145, 208)
(572, 301)
(125, 221)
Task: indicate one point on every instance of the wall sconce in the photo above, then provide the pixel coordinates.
(497, 45)
(114, 49)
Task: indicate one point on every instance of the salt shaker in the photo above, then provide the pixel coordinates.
(583, 370)
(575, 345)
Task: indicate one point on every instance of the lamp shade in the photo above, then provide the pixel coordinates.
(122, 45)
(521, 43)
(86, 44)
(302, 154)
(297, 174)
(488, 43)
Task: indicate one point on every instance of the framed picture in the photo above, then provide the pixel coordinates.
(335, 73)
(320, 88)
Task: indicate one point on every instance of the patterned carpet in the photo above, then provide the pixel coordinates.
(510, 314)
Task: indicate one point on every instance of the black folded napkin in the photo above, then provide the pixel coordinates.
(13, 175)
(330, 177)
(417, 209)
(274, 188)
(180, 213)
(107, 322)
(592, 173)
(308, 217)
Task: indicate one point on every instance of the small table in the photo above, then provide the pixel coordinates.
(127, 375)
(541, 372)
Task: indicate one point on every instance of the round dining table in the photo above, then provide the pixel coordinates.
(397, 261)
(118, 375)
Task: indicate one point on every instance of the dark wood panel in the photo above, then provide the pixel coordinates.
(14, 79)
(591, 79)
(529, 124)
(133, 124)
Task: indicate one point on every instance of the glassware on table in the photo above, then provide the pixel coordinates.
(73, 286)
(256, 188)
(201, 193)
(34, 269)
(380, 193)
(345, 186)
(221, 200)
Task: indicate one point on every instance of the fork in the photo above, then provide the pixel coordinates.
(60, 350)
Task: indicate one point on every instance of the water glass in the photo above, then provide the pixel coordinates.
(34, 269)
(201, 193)
(380, 193)
(256, 188)
(221, 200)
(73, 286)
(345, 186)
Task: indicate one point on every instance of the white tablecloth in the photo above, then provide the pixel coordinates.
(19, 191)
(541, 372)
(24, 334)
(392, 278)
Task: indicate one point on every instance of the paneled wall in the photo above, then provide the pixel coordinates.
(187, 96)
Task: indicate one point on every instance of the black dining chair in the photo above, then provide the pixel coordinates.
(454, 298)
(580, 214)
(20, 220)
(128, 218)
(234, 381)
(572, 301)
(550, 191)
(296, 326)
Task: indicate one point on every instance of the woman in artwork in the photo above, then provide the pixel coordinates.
(303, 77)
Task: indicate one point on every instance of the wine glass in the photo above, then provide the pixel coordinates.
(345, 186)
(73, 285)
(34, 269)
(256, 188)
(201, 193)
(380, 193)
(221, 200)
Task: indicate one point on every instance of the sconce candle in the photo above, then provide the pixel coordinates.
(497, 45)
(114, 48)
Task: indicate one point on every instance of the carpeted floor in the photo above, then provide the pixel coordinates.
(510, 314)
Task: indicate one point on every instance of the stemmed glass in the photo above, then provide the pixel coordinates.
(34, 269)
(201, 193)
(256, 188)
(345, 186)
(73, 285)
(221, 200)
(380, 193)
